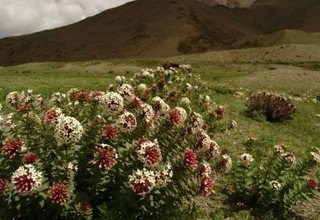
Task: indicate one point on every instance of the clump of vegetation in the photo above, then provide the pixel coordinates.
(277, 182)
(275, 107)
(141, 149)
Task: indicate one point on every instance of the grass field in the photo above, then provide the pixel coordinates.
(300, 80)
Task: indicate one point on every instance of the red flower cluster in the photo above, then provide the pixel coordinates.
(24, 109)
(109, 132)
(105, 158)
(221, 111)
(175, 116)
(30, 158)
(11, 146)
(82, 96)
(141, 141)
(59, 192)
(84, 208)
(3, 184)
(152, 155)
(142, 187)
(52, 115)
(95, 95)
(206, 185)
(312, 183)
(190, 158)
(23, 183)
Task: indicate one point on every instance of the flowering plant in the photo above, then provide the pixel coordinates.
(278, 182)
(142, 147)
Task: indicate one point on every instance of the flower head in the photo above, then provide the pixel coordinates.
(185, 101)
(177, 116)
(59, 192)
(246, 159)
(163, 177)
(279, 148)
(82, 96)
(112, 102)
(26, 179)
(316, 155)
(52, 116)
(289, 157)
(312, 183)
(142, 181)
(127, 92)
(109, 132)
(68, 130)
(57, 97)
(3, 184)
(148, 114)
(127, 122)
(96, 95)
(160, 105)
(84, 208)
(275, 185)
(205, 169)
(226, 162)
(197, 122)
(30, 158)
(206, 185)
(190, 158)
(149, 152)
(11, 146)
(105, 157)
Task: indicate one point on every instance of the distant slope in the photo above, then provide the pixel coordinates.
(157, 28)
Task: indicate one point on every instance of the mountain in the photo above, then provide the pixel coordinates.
(157, 28)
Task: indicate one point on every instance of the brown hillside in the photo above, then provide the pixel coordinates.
(160, 28)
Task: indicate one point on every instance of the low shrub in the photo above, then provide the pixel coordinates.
(275, 107)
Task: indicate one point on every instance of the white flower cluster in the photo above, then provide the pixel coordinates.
(226, 162)
(6, 122)
(275, 185)
(163, 177)
(196, 122)
(205, 169)
(279, 148)
(57, 97)
(72, 167)
(127, 92)
(15, 99)
(142, 87)
(26, 178)
(148, 113)
(289, 157)
(246, 159)
(183, 113)
(316, 155)
(160, 105)
(68, 130)
(207, 143)
(142, 181)
(12, 98)
(185, 101)
(112, 102)
(127, 121)
(119, 80)
(149, 153)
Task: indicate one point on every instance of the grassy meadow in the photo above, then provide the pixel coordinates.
(229, 80)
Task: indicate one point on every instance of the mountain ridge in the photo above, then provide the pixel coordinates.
(158, 28)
